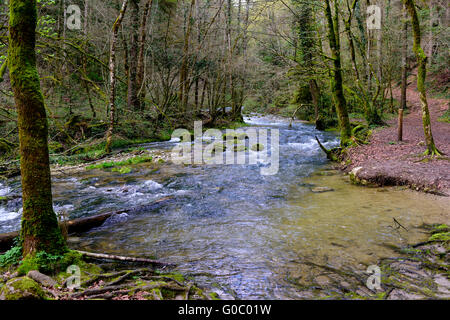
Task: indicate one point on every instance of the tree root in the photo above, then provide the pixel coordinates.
(95, 291)
(162, 278)
(331, 154)
(434, 153)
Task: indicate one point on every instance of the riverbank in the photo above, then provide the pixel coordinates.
(236, 232)
(98, 279)
(418, 271)
(386, 161)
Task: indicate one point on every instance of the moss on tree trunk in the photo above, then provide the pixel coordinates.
(421, 77)
(40, 229)
(336, 79)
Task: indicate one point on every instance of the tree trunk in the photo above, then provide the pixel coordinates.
(380, 47)
(421, 77)
(141, 54)
(431, 42)
(314, 89)
(184, 85)
(336, 80)
(112, 76)
(39, 230)
(85, 82)
(404, 60)
(132, 95)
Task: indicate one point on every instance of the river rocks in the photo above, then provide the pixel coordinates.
(43, 279)
(22, 288)
(257, 147)
(354, 176)
(321, 189)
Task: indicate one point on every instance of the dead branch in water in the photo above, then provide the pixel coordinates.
(85, 224)
(104, 256)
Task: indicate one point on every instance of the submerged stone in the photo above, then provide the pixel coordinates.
(321, 189)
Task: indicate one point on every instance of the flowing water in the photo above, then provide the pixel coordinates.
(238, 231)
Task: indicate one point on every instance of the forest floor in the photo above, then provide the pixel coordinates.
(386, 161)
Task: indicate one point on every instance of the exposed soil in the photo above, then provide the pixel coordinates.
(385, 161)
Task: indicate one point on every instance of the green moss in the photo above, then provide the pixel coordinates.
(48, 263)
(257, 147)
(443, 237)
(173, 275)
(213, 296)
(234, 136)
(440, 228)
(88, 270)
(22, 288)
(445, 117)
(122, 170)
(130, 161)
(239, 148)
(168, 294)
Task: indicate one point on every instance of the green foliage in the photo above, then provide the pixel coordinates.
(111, 164)
(11, 257)
(443, 237)
(48, 263)
(440, 228)
(122, 170)
(445, 117)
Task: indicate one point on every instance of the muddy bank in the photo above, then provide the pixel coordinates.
(386, 161)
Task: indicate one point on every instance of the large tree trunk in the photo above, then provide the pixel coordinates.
(141, 55)
(404, 60)
(315, 93)
(132, 95)
(39, 229)
(421, 77)
(184, 84)
(336, 80)
(112, 76)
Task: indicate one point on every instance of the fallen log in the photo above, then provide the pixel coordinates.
(104, 256)
(85, 224)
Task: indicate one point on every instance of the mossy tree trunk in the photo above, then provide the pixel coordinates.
(39, 229)
(141, 54)
(404, 60)
(421, 77)
(112, 76)
(336, 79)
(184, 83)
(132, 94)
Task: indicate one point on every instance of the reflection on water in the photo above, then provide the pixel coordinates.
(237, 230)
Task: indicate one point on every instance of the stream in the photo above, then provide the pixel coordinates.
(234, 230)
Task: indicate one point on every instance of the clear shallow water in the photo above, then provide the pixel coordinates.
(237, 230)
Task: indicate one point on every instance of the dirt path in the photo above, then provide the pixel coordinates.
(388, 162)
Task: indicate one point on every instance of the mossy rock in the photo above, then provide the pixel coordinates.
(257, 147)
(239, 148)
(440, 228)
(442, 237)
(235, 136)
(22, 288)
(219, 147)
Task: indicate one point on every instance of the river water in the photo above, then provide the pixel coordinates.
(243, 234)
